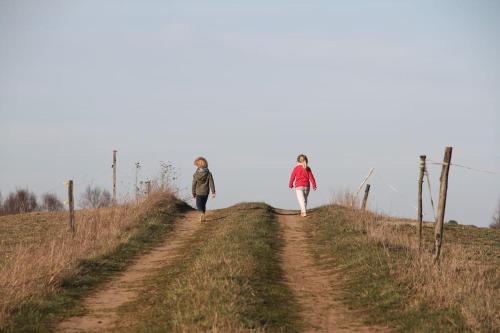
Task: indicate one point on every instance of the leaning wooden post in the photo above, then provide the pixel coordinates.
(365, 198)
(114, 177)
(71, 207)
(420, 214)
(443, 189)
(355, 197)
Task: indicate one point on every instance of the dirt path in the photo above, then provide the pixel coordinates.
(103, 305)
(311, 285)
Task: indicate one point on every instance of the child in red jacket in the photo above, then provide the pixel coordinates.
(302, 178)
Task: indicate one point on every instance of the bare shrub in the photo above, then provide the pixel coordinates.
(343, 198)
(20, 201)
(51, 203)
(95, 197)
(495, 223)
(165, 182)
(168, 175)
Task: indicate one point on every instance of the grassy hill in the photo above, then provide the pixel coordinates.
(390, 281)
(229, 275)
(45, 270)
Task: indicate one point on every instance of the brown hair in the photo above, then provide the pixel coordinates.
(201, 162)
(303, 159)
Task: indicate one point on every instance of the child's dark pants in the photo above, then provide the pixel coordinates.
(201, 203)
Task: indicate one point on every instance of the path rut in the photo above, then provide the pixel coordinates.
(312, 286)
(102, 306)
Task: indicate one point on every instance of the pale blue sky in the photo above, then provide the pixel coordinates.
(353, 84)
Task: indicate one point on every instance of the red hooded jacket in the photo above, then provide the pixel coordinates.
(302, 177)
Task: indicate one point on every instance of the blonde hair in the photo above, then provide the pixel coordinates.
(201, 162)
(303, 159)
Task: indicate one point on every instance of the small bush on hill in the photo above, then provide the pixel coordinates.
(95, 197)
(20, 201)
(495, 223)
(51, 203)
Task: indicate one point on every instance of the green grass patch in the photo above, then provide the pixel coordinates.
(41, 314)
(368, 276)
(228, 280)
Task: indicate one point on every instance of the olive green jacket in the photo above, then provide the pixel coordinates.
(203, 182)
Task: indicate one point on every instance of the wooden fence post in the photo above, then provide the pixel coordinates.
(443, 189)
(71, 207)
(114, 177)
(148, 187)
(420, 214)
(137, 167)
(365, 198)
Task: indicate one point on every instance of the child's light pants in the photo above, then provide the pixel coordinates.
(302, 194)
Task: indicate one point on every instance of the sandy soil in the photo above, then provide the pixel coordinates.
(313, 286)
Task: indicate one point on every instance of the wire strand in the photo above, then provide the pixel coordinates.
(430, 192)
(466, 167)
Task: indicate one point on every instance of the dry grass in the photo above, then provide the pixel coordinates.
(467, 276)
(344, 198)
(38, 250)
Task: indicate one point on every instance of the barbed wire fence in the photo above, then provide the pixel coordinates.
(75, 187)
(439, 213)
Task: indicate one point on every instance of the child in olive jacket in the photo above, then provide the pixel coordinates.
(203, 183)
